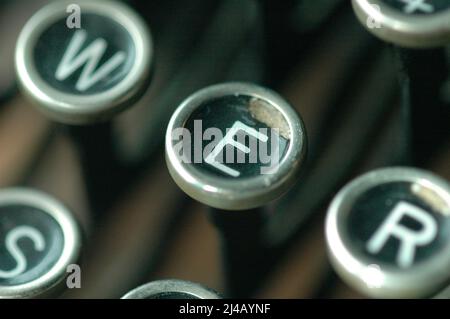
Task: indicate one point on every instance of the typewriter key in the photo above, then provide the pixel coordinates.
(388, 233)
(83, 70)
(407, 23)
(420, 31)
(236, 146)
(86, 72)
(39, 239)
(171, 289)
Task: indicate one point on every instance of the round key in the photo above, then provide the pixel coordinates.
(39, 239)
(420, 31)
(235, 146)
(388, 233)
(408, 23)
(171, 289)
(82, 63)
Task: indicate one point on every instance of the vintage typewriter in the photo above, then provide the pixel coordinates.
(224, 149)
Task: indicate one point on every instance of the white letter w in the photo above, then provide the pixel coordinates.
(90, 56)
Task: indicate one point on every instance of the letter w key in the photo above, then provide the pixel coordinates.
(90, 58)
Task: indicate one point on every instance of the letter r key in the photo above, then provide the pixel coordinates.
(409, 238)
(388, 233)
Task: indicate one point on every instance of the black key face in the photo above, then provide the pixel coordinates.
(89, 60)
(31, 243)
(398, 223)
(419, 7)
(244, 147)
